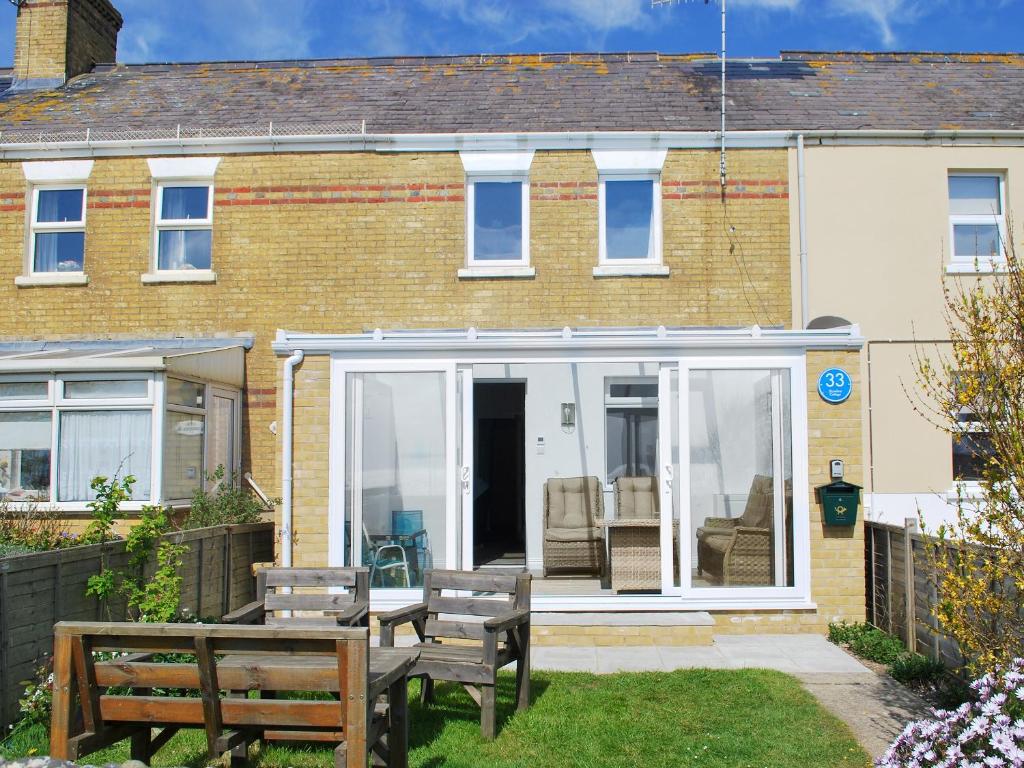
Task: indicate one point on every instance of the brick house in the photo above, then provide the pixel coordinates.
(412, 297)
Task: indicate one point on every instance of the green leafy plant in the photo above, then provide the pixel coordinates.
(158, 598)
(31, 527)
(104, 508)
(914, 667)
(873, 644)
(229, 503)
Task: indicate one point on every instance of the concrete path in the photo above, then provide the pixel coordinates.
(875, 708)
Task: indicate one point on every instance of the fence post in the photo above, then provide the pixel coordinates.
(909, 529)
(5, 682)
(225, 602)
(888, 579)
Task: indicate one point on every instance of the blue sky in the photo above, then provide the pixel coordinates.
(190, 30)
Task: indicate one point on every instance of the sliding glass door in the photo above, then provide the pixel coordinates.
(742, 529)
(399, 494)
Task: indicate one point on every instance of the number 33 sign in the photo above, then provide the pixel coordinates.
(834, 385)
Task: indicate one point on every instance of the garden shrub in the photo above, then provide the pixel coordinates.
(988, 730)
(228, 504)
(867, 641)
(914, 667)
(31, 527)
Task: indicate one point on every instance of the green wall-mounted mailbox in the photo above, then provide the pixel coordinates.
(839, 501)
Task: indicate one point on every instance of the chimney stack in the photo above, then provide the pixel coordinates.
(56, 40)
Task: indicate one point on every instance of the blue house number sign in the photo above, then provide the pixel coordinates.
(834, 385)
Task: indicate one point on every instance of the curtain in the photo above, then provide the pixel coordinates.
(104, 443)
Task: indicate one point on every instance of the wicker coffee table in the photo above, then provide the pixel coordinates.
(634, 547)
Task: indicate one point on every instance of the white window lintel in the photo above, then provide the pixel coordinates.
(57, 171)
(629, 161)
(501, 163)
(171, 168)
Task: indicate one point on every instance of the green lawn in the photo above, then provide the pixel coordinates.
(726, 718)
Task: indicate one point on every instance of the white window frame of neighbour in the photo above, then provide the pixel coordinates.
(630, 165)
(190, 410)
(496, 167)
(959, 264)
(158, 275)
(631, 403)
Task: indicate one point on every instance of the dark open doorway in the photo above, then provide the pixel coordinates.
(499, 454)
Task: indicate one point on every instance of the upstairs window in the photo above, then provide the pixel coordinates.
(976, 220)
(497, 214)
(628, 226)
(58, 230)
(184, 227)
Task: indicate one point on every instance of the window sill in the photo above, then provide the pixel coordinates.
(631, 270)
(476, 273)
(180, 276)
(968, 490)
(981, 268)
(51, 278)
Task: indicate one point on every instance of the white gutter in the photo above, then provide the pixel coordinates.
(471, 343)
(801, 193)
(287, 429)
(453, 142)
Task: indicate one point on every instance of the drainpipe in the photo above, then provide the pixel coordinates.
(801, 193)
(286, 458)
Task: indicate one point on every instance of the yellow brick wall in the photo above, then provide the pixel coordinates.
(336, 243)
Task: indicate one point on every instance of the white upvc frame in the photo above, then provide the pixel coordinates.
(959, 264)
(652, 263)
(190, 410)
(37, 227)
(498, 267)
(629, 403)
(160, 224)
(750, 597)
(336, 542)
(235, 396)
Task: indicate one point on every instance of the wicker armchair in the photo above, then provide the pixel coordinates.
(739, 550)
(572, 539)
(636, 498)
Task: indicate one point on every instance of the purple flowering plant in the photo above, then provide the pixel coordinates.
(985, 732)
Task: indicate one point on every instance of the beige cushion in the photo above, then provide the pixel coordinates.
(760, 503)
(636, 497)
(572, 534)
(573, 502)
(717, 543)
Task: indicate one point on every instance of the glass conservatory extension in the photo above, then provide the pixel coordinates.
(168, 416)
(632, 465)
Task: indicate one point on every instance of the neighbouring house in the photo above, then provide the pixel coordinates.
(478, 312)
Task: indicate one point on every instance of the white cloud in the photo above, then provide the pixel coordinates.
(883, 13)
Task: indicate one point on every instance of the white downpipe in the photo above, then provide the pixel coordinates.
(286, 458)
(801, 193)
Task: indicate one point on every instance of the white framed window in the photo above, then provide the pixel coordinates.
(631, 427)
(57, 236)
(184, 438)
(629, 213)
(182, 246)
(497, 214)
(977, 221)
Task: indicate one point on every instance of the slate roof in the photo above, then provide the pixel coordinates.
(545, 92)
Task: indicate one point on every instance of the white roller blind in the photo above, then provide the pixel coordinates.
(25, 431)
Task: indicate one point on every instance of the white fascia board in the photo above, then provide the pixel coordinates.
(621, 341)
(168, 168)
(629, 161)
(496, 163)
(82, 364)
(57, 171)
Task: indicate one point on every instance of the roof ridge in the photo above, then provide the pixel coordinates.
(906, 57)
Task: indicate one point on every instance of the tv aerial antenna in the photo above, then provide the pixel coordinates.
(721, 162)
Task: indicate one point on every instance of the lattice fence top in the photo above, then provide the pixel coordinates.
(268, 130)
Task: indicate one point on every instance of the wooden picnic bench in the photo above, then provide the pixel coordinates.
(318, 592)
(368, 714)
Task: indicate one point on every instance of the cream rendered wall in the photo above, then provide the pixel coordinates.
(878, 245)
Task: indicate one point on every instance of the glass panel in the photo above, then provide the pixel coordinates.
(59, 252)
(397, 475)
(974, 196)
(182, 203)
(25, 456)
(184, 249)
(632, 442)
(107, 443)
(183, 454)
(220, 442)
(970, 452)
(633, 390)
(628, 209)
(59, 205)
(979, 241)
(186, 393)
(23, 390)
(498, 221)
(740, 478)
(93, 390)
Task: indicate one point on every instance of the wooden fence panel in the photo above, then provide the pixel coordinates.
(40, 589)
